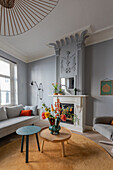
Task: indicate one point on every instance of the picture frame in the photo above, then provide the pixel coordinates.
(106, 87)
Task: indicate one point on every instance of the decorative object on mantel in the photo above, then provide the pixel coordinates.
(55, 88)
(75, 90)
(66, 91)
(19, 16)
(106, 87)
(70, 56)
(60, 91)
(55, 116)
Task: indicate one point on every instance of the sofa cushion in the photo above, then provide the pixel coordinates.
(14, 111)
(33, 108)
(3, 115)
(102, 120)
(105, 130)
(26, 113)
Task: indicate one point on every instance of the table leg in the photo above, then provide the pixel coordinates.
(37, 141)
(22, 142)
(63, 150)
(42, 146)
(27, 147)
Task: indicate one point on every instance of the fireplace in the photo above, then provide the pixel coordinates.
(70, 115)
(78, 104)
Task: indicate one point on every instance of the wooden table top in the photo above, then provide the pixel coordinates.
(64, 135)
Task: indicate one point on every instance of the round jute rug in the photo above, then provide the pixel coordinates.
(81, 154)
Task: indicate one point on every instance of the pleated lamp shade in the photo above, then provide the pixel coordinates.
(19, 16)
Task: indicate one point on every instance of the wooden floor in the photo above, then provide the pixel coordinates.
(89, 134)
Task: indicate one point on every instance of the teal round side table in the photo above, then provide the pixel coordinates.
(26, 131)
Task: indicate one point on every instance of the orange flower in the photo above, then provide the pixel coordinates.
(47, 114)
(70, 109)
(63, 117)
(57, 115)
(52, 109)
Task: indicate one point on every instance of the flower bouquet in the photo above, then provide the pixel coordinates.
(54, 116)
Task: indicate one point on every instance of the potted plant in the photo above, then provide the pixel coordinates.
(55, 88)
(60, 91)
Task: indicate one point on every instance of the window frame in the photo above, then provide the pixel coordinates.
(12, 82)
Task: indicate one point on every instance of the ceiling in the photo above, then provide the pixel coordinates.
(68, 16)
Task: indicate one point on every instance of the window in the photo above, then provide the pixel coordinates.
(8, 82)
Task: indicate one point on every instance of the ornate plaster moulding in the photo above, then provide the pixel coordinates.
(70, 37)
(77, 38)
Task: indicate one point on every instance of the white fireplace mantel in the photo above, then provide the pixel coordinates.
(69, 95)
(79, 102)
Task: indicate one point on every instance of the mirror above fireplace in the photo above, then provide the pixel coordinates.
(68, 84)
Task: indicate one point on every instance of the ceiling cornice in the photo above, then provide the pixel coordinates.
(100, 36)
(94, 38)
(8, 48)
(40, 58)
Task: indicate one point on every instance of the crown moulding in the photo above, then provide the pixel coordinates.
(94, 38)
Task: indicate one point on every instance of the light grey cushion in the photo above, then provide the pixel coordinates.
(105, 130)
(3, 115)
(103, 120)
(33, 108)
(14, 111)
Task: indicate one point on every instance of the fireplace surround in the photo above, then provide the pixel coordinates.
(79, 102)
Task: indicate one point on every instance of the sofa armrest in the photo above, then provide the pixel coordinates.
(102, 120)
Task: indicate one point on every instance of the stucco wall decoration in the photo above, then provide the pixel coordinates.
(68, 64)
(70, 58)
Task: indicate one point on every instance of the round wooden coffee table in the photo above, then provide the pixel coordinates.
(64, 135)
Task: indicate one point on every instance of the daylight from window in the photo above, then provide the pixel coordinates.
(8, 83)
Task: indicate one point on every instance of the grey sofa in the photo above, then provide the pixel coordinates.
(10, 120)
(102, 125)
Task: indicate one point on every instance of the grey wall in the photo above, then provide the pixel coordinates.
(41, 71)
(99, 66)
(22, 77)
